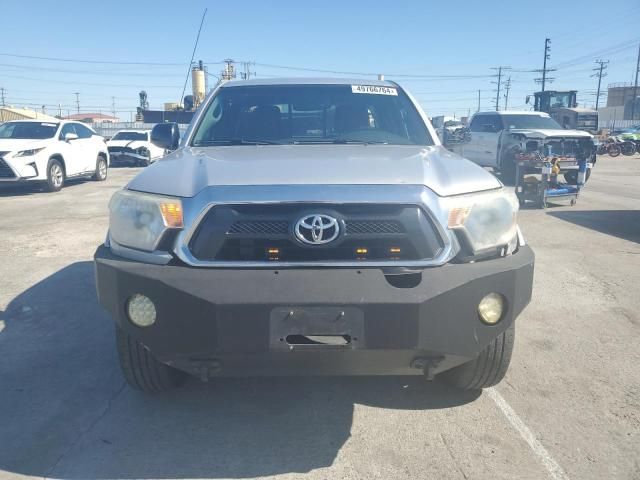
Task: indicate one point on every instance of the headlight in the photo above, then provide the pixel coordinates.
(28, 153)
(486, 220)
(138, 220)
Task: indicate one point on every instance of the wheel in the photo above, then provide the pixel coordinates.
(55, 175)
(571, 177)
(100, 174)
(614, 150)
(573, 202)
(628, 148)
(140, 368)
(486, 370)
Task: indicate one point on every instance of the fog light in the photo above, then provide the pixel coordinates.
(141, 310)
(491, 308)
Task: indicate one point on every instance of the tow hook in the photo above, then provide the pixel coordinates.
(207, 367)
(427, 365)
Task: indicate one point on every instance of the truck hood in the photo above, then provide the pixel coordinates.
(18, 144)
(187, 171)
(544, 133)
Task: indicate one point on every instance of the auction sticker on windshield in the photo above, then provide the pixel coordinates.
(373, 89)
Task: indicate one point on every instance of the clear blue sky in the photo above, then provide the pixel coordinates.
(409, 38)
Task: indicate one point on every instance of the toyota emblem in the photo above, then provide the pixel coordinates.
(317, 229)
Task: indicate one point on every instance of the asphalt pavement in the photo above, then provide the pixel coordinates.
(569, 407)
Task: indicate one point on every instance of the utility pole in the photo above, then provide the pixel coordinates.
(507, 87)
(247, 73)
(499, 83)
(547, 56)
(600, 73)
(229, 71)
(113, 106)
(2, 90)
(59, 110)
(635, 88)
(545, 70)
(77, 94)
(478, 101)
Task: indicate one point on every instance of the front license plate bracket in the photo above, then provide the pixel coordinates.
(294, 328)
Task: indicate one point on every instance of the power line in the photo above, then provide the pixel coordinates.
(341, 72)
(605, 51)
(85, 72)
(77, 60)
(47, 80)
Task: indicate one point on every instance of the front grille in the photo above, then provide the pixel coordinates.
(259, 227)
(119, 149)
(250, 232)
(373, 227)
(5, 170)
(352, 227)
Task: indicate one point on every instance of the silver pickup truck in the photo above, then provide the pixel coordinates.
(312, 226)
(496, 139)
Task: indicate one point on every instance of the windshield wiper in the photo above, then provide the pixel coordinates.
(338, 141)
(235, 141)
(349, 141)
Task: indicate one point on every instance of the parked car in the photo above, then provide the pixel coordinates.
(497, 137)
(312, 227)
(51, 153)
(133, 146)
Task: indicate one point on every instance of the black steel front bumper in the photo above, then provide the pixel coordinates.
(235, 321)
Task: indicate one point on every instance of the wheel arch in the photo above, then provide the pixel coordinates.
(60, 158)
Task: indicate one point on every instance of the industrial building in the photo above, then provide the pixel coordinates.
(620, 99)
(9, 113)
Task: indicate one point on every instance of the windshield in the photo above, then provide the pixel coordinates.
(311, 114)
(28, 130)
(530, 121)
(130, 136)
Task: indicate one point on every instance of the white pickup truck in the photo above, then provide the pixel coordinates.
(497, 137)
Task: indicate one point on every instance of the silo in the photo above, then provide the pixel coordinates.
(198, 85)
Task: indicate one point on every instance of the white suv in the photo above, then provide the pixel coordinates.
(51, 152)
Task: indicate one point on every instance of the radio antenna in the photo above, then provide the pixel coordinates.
(193, 54)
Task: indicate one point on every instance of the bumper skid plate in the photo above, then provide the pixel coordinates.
(233, 322)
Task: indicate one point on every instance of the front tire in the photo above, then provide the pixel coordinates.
(100, 175)
(140, 368)
(55, 175)
(488, 369)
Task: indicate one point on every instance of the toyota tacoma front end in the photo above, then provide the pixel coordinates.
(313, 227)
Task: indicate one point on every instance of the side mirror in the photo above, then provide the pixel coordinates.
(70, 136)
(166, 135)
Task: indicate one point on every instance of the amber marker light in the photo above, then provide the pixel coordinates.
(172, 214)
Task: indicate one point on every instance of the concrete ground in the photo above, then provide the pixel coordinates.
(568, 408)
